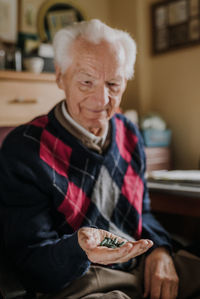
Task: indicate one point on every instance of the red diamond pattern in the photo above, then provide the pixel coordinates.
(40, 121)
(55, 153)
(74, 206)
(126, 141)
(133, 188)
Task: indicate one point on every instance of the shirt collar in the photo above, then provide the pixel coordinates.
(95, 139)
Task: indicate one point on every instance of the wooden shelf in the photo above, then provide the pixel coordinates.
(26, 76)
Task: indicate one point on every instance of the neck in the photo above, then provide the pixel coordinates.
(97, 131)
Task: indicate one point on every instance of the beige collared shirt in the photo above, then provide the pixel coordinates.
(97, 143)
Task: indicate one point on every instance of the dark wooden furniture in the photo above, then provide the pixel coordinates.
(175, 199)
(178, 210)
(158, 158)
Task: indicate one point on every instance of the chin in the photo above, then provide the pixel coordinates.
(98, 123)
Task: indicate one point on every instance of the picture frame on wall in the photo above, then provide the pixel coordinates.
(175, 24)
(194, 32)
(194, 7)
(28, 10)
(40, 19)
(60, 19)
(8, 21)
(178, 12)
(54, 15)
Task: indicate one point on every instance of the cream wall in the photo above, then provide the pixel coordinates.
(94, 9)
(174, 92)
(168, 84)
(123, 16)
(89, 8)
(132, 15)
(177, 97)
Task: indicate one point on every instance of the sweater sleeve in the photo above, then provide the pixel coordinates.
(151, 228)
(46, 261)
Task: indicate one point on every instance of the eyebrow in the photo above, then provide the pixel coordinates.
(85, 73)
(117, 79)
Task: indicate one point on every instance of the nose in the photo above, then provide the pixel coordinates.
(102, 96)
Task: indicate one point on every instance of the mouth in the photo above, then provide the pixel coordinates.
(96, 113)
(97, 110)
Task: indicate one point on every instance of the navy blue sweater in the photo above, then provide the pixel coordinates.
(51, 185)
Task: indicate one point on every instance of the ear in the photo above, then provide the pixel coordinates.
(59, 79)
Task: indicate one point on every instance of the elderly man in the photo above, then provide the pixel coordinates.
(76, 177)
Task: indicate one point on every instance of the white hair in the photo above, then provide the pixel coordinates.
(94, 31)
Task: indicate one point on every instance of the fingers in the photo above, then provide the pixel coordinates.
(163, 289)
(127, 251)
(160, 278)
(156, 287)
(104, 255)
(169, 288)
(90, 238)
(174, 288)
(139, 247)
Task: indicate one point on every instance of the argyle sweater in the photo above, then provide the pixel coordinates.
(51, 185)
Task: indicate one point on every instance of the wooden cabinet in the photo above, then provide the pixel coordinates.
(24, 96)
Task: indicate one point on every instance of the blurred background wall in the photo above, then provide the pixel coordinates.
(167, 83)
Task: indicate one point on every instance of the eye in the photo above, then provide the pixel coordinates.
(87, 82)
(113, 85)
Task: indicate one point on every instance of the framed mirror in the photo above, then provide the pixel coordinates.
(54, 15)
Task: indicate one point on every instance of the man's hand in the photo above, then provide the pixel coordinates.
(160, 278)
(90, 238)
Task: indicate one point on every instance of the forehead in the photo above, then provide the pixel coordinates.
(104, 57)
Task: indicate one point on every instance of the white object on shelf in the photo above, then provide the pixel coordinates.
(34, 64)
(176, 175)
(46, 50)
(153, 121)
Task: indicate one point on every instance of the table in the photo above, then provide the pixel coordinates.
(175, 198)
(177, 208)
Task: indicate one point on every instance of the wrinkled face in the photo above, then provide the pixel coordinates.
(93, 84)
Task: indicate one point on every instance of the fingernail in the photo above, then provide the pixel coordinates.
(150, 243)
(147, 244)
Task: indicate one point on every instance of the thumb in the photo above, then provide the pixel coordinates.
(89, 243)
(86, 239)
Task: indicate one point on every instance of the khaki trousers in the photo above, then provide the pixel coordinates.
(103, 283)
